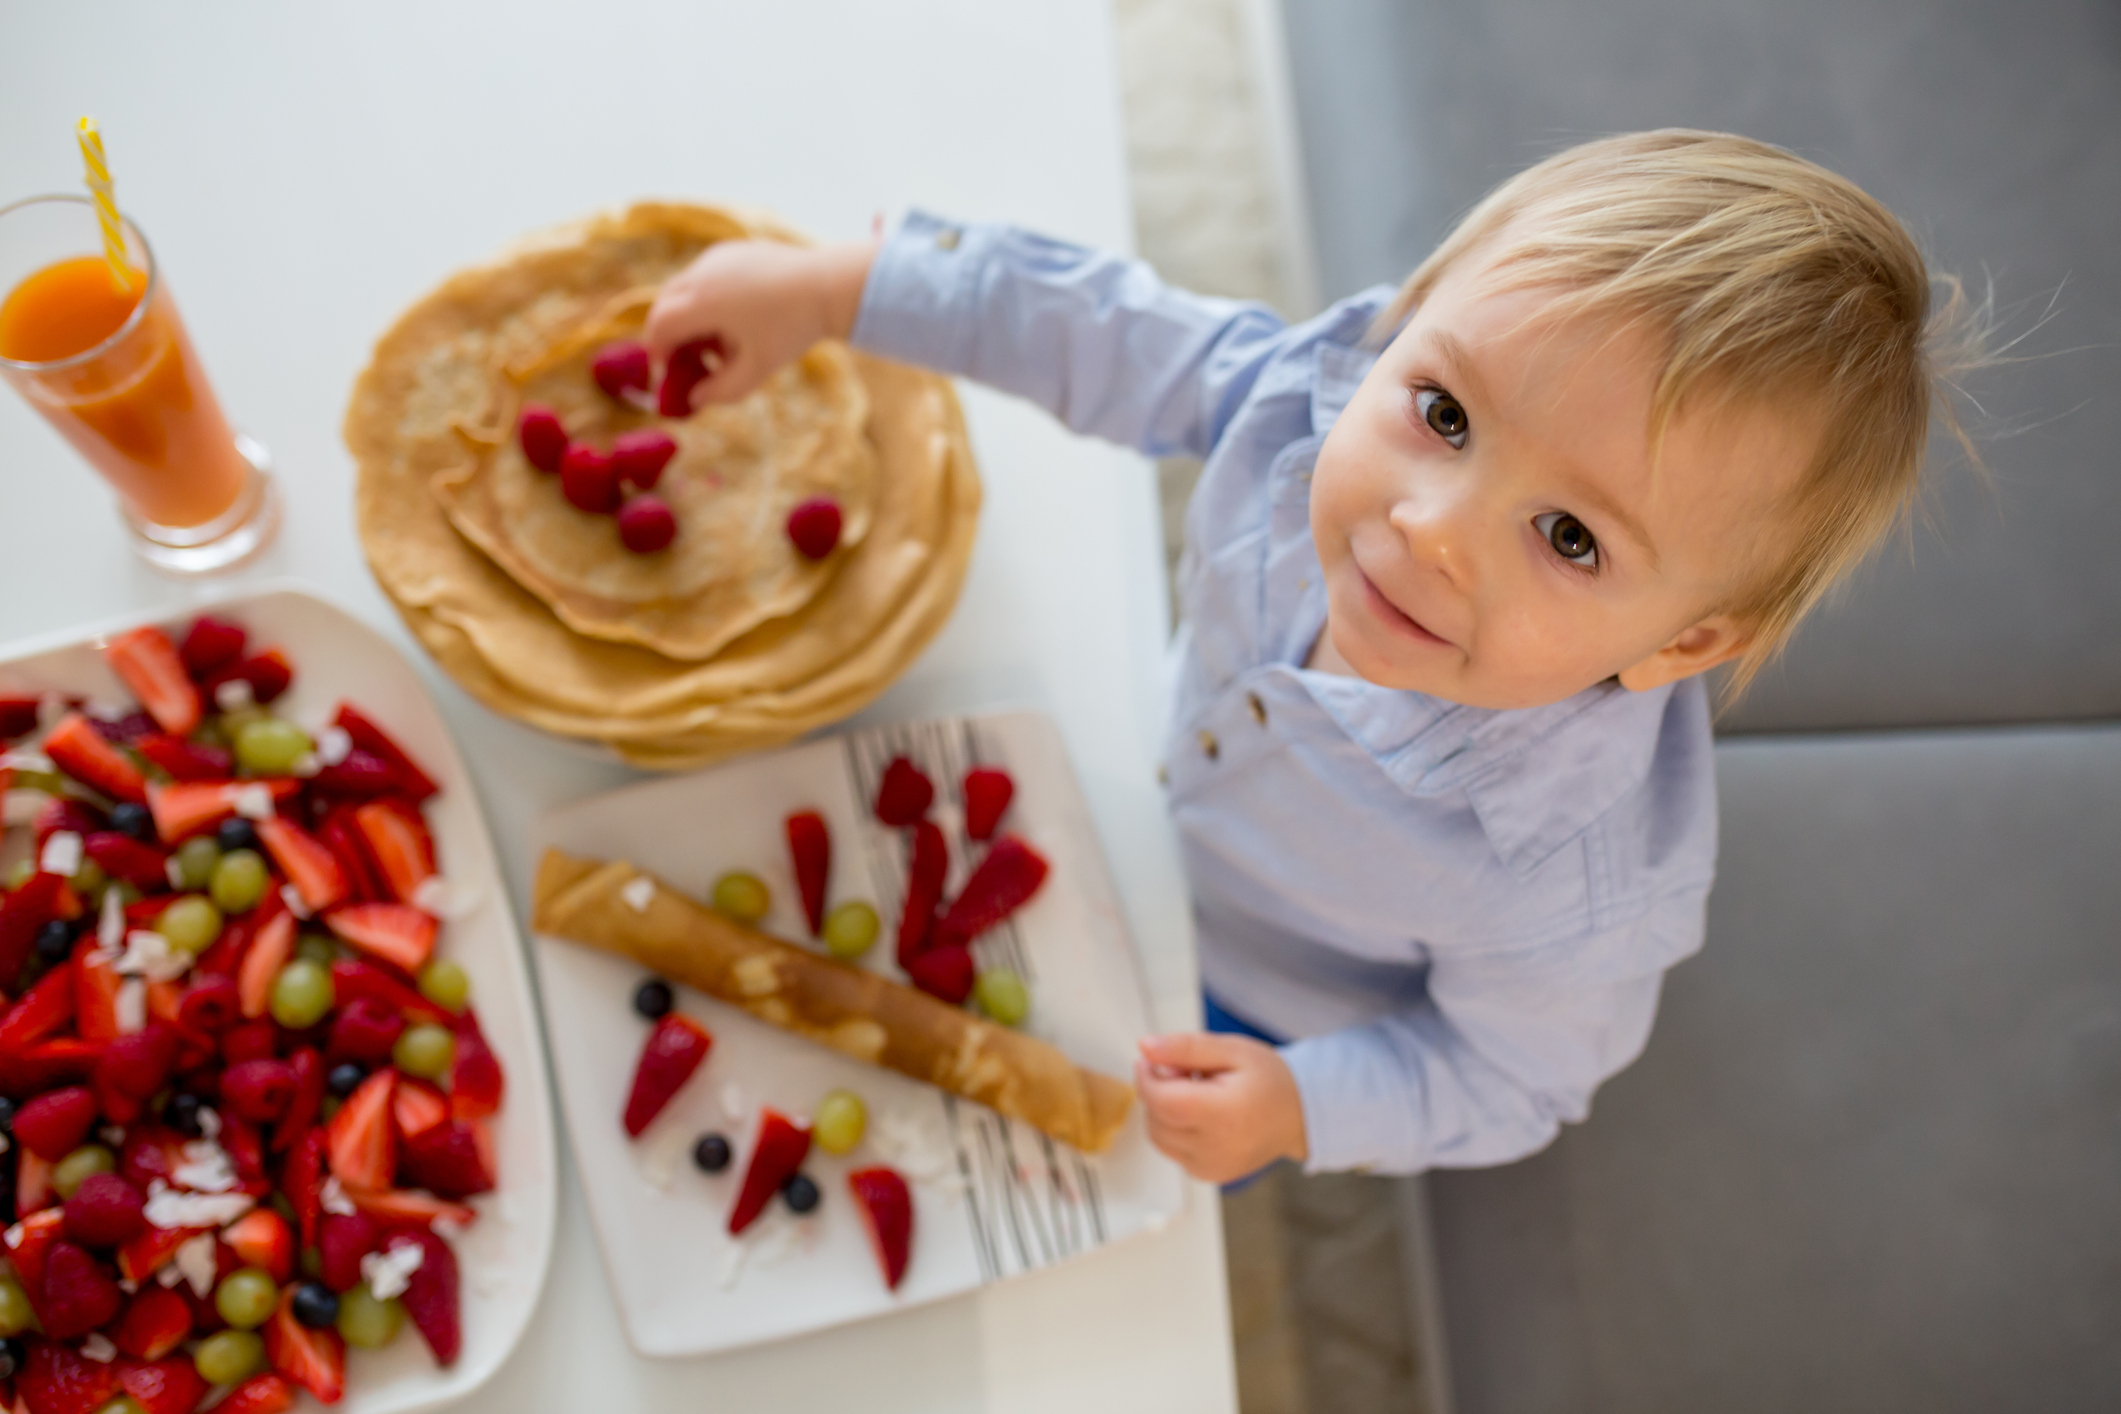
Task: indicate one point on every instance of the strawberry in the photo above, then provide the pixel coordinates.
(398, 933)
(640, 456)
(904, 794)
(542, 436)
(1006, 878)
(361, 1142)
(246, 1154)
(262, 1239)
(358, 775)
(781, 1147)
(59, 1061)
(887, 1211)
(211, 643)
(58, 1379)
(22, 913)
(926, 866)
(343, 1239)
(125, 730)
(589, 480)
(269, 674)
(260, 1394)
(308, 1098)
(674, 1049)
(352, 980)
(185, 808)
(147, 662)
(302, 1180)
(186, 760)
(165, 1001)
(646, 524)
(689, 365)
(156, 1321)
(69, 816)
(475, 1078)
(262, 961)
(403, 1207)
(397, 840)
(303, 858)
(151, 1251)
(413, 781)
(96, 984)
(18, 716)
(810, 847)
(165, 1386)
(313, 1359)
(123, 857)
(944, 971)
(78, 1295)
(621, 367)
(431, 1295)
(52, 1125)
(210, 1005)
(76, 749)
(258, 1090)
(33, 1182)
(814, 526)
(417, 1108)
(337, 832)
(364, 1031)
(105, 1211)
(30, 1241)
(40, 1011)
(249, 1040)
(448, 1159)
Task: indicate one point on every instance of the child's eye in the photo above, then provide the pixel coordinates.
(1570, 537)
(1445, 415)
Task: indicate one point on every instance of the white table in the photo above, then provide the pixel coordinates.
(306, 170)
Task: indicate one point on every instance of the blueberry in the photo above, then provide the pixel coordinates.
(345, 1078)
(12, 1355)
(183, 1114)
(652, 999)
(316, 1305)
(55, 942)
(799, 1193)
(236, 833)
(711, 1154)
(135, 820)
(7, 1115)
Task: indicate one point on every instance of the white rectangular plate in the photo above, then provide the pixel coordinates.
(338, 658)
(992, 1199)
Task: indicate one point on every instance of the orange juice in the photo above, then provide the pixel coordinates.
(123, 385)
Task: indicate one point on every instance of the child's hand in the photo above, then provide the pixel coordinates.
(1221, 1106)
(764, 302)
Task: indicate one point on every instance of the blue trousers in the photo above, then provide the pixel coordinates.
(1230, 1024)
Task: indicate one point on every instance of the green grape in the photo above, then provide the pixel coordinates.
(196, 859)
(15, 1313)
(73, 1170)
(445, 983)
(743, 897)
(191, 924)
(18, 873)
(123, 1404)
(312, 1262)
(367, 1322)
(50, 782)
(245, 1298)
(839, 1122)
(270, 746)
(317, 948)
(239, 881)
(89, 878)
(425, 1051)
(210, 733)
(301, 994)
(850, 929)
(228, 1356)
(1003, 996)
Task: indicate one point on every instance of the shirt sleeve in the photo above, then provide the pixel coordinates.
(1098, 341)
(1501, 1052)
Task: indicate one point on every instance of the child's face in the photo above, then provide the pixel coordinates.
(1491, 526)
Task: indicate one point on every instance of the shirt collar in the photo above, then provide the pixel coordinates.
(1337, 370)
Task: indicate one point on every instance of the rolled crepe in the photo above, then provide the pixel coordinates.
(613, 907)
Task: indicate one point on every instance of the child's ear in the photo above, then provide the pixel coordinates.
(1695, 649)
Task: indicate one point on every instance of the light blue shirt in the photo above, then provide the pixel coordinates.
(1461, 915)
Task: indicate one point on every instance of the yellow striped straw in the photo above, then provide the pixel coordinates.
(121, 272)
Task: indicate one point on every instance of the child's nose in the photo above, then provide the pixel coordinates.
(1434, 521)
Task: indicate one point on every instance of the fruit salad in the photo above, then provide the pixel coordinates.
(244, 1094)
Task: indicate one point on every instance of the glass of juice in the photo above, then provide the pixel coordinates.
(107, 363)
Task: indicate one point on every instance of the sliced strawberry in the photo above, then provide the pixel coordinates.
(447, 1159)
(475, 1079)
(418, 1108)
(52, 1125)
(96, 984)
(364, 1031)
(810, 849)
(358, 776)
(188, 807)
(431, 1295)
(887, 1210)
(258, 1090)
(30, 1241)
(156, 1321)
(400, 1207)
(63, 814)
(779, 1152)
(246, 1154)
(186, 760)
(268, 674)
(165, 1386)
(225, 957)
(211, 643)
(79, 750)
(343, 1239)
(22, 914)
(361, 1142)
(105, 1211)
(398, 933)
(987, 792)
(302, 1180)
(40, 1011)
(305, 860)
(1005, 880)
(165, 1001)
(398, 841)
(78, 1295)
(268, 953)
(151, 1251)
(210, 1005)
(673, 1051)
(260, 1394)
(261, 1238)
(34, 1190)
(904, 794)
(620, 367)
(147, 662)
(944, 971)
(339, 836)
(18, 716)
(58, 1379)
(928, 863)
(353, 980)
(123, 857)
(307, 1099)
(313, 1359)
(56, 1062)
(416, 783)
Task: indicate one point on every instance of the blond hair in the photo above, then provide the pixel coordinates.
(1766, 275)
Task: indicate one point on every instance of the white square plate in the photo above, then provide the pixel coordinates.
(992, 1199)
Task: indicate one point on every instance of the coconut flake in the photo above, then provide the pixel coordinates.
(332, 1199)
(306, 765)
(206, 1168)
(210, 1123)
(292, 897)
(436, 895)
(639, 892)
(62, 854)
(20, 807)
(131, 1005)
(168, 1208)
(194, 1262)
(174, 872)
(23, 759)
(252, 801)
(97, 1347)
(234, 695)
(333, 744)
(110, 923)
(390, 1271)
(168, 1275)
(447, 1228)
(103, 710)
(659, 1161)
(733, 1101)
(149, 954)
(912, 1146)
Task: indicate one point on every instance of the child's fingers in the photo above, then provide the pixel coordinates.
(1200, 1052)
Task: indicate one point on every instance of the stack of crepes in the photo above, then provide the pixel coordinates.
(729, 640)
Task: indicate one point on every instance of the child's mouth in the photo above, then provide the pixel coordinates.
(1394, 617)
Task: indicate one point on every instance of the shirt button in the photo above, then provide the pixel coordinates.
(1163, 774)
(1259, 708)
(947, 239)
(1209, 746)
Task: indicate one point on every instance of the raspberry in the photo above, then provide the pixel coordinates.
(646, 525)
(105, 1211)
(641, 456)
(620, 367)
(814, 526)
(689, 366)
(544, 439)
(258, 1090)
(588, 479)
(904, 794)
